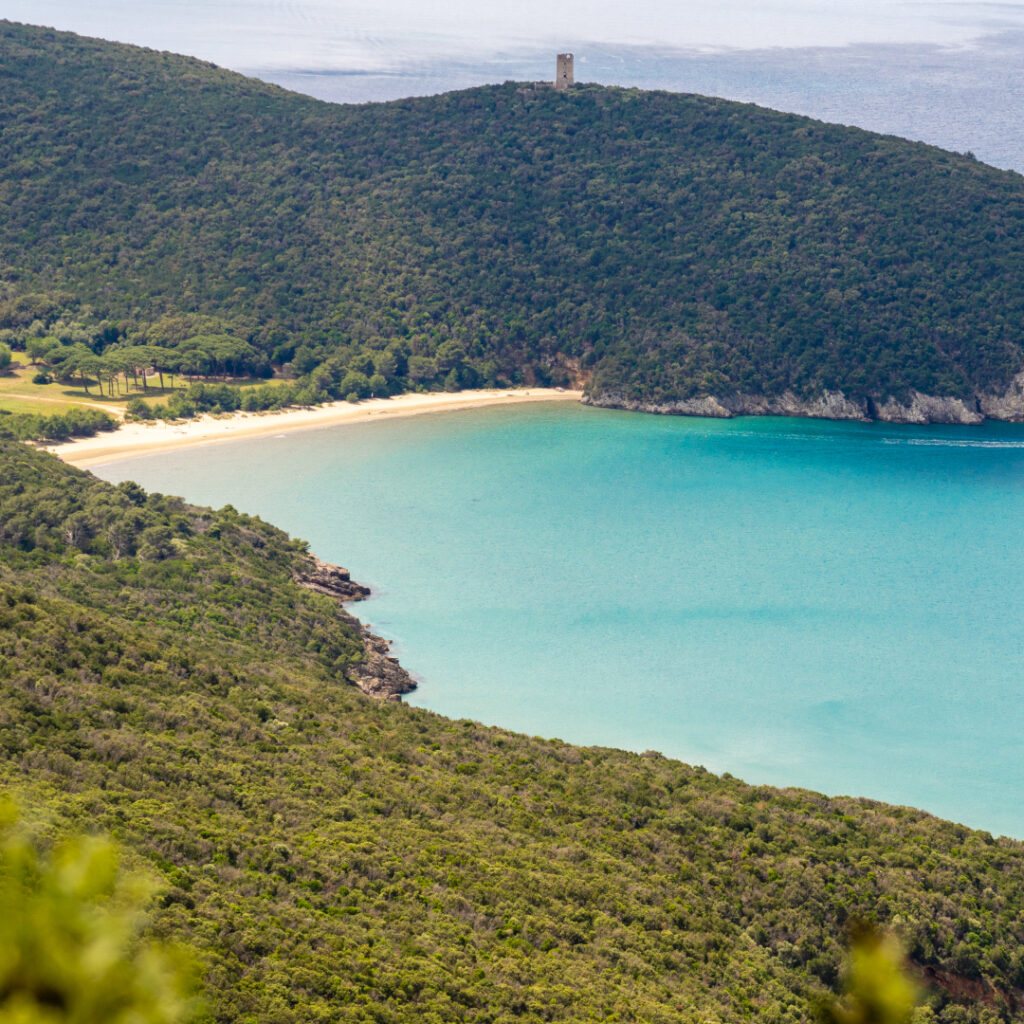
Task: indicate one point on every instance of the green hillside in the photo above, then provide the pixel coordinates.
(333, 857)
(661, 247)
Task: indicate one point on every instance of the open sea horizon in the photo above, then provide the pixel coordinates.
(806, 603)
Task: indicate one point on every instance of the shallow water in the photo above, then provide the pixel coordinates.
(806, 603)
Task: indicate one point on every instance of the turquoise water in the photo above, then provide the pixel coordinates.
(828, 605)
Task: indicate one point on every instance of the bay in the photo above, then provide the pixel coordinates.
(801, 603)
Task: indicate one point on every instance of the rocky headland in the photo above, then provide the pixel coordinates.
(379, 675)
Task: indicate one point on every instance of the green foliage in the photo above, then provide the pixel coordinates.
(877, 989)
(661, 246)
(221, 574)
(330, 857)
(137, 409)
(69, 948)
(5, 357)
(78, 422)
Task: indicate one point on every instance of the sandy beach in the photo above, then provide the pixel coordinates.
(134, 439)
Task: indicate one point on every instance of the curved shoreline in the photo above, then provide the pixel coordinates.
(148, 438)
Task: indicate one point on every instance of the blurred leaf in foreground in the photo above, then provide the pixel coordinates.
(69, 937)
(878, 991)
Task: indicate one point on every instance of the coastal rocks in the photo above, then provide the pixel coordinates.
(929, 409)
(331, 580)
(834, 405)
(1007, 406)
(709, 406)
(829, 405)
(378, 675)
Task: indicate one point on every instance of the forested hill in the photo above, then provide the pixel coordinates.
(332, 857)
(664, 247)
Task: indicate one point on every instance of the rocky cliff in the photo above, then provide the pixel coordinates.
(835, 405)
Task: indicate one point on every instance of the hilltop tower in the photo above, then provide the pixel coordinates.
(563, 71)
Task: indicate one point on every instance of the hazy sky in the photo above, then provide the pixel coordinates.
(363, 35)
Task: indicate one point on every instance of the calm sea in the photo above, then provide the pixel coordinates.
(828, 605)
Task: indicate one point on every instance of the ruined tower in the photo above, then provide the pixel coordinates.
(563, 71)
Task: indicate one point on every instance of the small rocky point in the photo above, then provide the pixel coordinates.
(331, 580)
(379, 675)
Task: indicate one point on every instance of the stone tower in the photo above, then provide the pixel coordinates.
(563, 71)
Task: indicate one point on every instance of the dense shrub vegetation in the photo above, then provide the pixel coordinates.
(331, 857)
(667, 245)
(60, 426)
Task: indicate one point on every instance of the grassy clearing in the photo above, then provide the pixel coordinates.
(16, 404)
(18, 394)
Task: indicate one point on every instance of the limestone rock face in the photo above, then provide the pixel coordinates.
(834, 405)
(831, 405)
(929, 409)
(331, 580)
(1007, 406)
